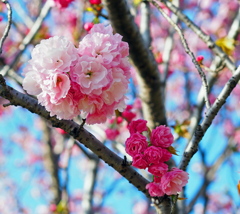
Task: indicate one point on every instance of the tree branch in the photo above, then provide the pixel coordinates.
(210, 115)
(17, 98)
(216, 66)
(36, 26)
(203, 36)
(188, 51)
(168, 46)
(148, 73)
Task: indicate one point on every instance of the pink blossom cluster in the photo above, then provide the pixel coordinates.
(90, 80)
(153, 155)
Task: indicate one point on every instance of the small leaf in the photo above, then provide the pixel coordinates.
(227, 44)
(137, 2)
(62, 207)
(238, 187)
(181, 199)
(117, 113)
(96, 20)
(172, 150)
(182, 129)
(89, 9)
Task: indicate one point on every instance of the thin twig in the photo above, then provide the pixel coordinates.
(168, 46)
(207, 121)
(90, 141)
(216, 66)
(7, 29)
(203, 36)
(36, 26)
(188, 51)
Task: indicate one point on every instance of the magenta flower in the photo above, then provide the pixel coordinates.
(139, 161)
(166, 155)
(162, 137)
(136, 144)
(95, 1)
(62, 3)
(155, 189)
(88, 26)
(111, 134)
(173, 181)
(157, 155)
(158, 169)
(128, 115)
(137, 126)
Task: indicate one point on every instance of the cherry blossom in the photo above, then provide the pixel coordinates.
(138, 126)
(140, 161)
(162, 136)
(136, 144)
(173, 181)
(89, 81)
(155, 189)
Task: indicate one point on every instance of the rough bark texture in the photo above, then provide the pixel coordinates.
(148, 74)
(77, 132)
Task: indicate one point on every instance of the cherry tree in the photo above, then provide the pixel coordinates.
(148, 87)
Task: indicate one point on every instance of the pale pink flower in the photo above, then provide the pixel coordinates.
(155, 189)
(104, 73)
(137, 126)
(162, 137)
(139, 161)
(53, 54)
(91, 76)
(46, 76)
(136, 144)
(96, 111)
(118, 87)
(173, 181)
(58, 87)
(106, 47)
(158, 169)
(90, 81)
(31, 82)
(65, 108)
